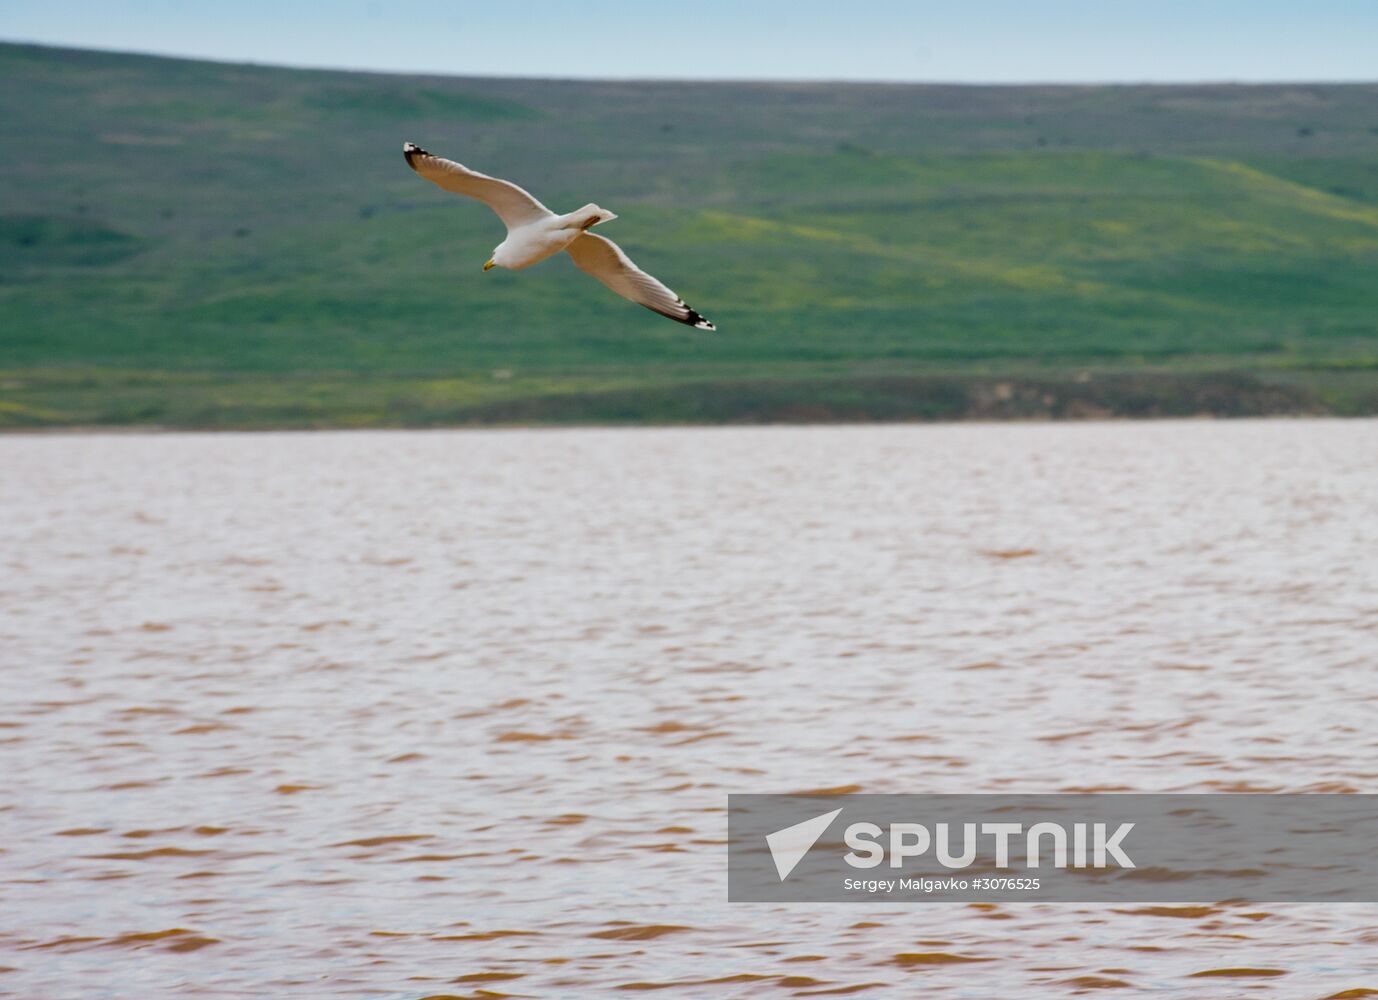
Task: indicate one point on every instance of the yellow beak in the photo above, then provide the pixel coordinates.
(490, 265)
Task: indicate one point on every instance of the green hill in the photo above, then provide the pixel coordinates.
(200, 244)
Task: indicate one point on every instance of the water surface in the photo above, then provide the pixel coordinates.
(393, 715)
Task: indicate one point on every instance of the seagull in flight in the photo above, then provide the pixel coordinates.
(534, 233)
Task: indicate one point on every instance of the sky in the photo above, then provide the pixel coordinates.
(963, 41)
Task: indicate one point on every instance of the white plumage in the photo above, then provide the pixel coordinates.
(534, 233)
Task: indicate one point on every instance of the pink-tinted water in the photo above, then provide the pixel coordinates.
(393, 715)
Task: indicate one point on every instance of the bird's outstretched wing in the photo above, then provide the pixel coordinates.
(514, 206)
(605, 260)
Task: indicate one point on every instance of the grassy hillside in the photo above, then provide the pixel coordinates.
(198, 244)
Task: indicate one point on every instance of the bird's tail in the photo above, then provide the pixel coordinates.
(587, 217)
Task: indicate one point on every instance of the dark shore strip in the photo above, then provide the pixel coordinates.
(916, 398)
(194, 401)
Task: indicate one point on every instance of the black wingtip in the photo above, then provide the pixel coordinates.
(692, 317)
(698, 322)
(411, 150)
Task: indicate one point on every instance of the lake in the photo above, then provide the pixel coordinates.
(405, 714)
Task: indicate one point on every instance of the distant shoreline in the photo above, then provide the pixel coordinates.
(135, 402)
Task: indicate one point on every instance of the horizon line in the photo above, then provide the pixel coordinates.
(784, 81)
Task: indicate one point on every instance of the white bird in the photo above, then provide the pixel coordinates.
(534, 233)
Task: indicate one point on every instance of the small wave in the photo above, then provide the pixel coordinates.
(1240, 973)
(906, 959)
(639, 932)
